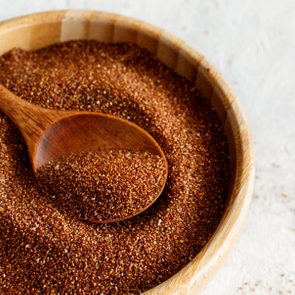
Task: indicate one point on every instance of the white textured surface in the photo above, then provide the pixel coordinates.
(252, 44)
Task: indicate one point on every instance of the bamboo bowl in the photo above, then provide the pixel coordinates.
(43, 29)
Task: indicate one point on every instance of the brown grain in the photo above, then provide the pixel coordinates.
(43, 250)
(104, 185)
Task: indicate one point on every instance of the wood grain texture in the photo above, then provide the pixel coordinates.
(187, 62)
(74, 132)
(31, 120)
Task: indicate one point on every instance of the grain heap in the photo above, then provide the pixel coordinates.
(104, 185)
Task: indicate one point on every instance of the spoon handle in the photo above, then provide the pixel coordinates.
(31, 120)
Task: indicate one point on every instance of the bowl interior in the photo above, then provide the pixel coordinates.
(41, 30)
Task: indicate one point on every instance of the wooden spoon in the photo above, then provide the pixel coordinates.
(51, 134)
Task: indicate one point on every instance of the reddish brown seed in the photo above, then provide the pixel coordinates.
(104, 185)
(43, 249)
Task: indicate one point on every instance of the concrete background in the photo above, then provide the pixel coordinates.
(252, 44)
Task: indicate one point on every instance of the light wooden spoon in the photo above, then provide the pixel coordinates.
(51, 134)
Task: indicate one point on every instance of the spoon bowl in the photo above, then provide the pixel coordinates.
(86, 131)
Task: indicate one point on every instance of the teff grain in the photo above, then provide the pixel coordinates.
(67, 255)
(104, 185)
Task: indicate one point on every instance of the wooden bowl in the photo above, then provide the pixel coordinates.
(43, 29)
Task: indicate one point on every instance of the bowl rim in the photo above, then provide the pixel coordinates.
(197, 271)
